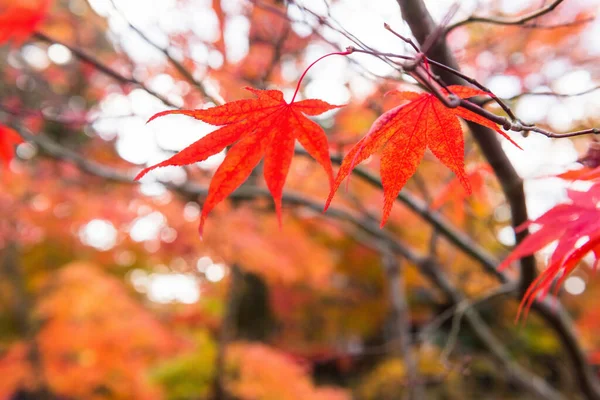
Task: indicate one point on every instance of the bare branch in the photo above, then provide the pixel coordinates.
(415, 67)
(524, 378)
(105, 69)
(445, 228)
(558, 26)
(475, 83)
(507, 21)
(463, 306)
(517, 126)
(401, 321)
(187, 75)
(422, 25)
(23, 308)
(547, 93)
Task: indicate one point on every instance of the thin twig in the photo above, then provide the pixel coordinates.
(546, 93)
(187, 75)
(561, 25)
(105, 69)
(507, 21)
(477, 84)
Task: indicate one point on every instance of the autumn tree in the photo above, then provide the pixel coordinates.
(362, 201)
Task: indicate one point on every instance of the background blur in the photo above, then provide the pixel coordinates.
(107, 291)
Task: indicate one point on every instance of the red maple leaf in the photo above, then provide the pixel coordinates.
(576, 227)
(265, 126)
(19, 19)
(9, 138)
(405, 132)
(583, 174)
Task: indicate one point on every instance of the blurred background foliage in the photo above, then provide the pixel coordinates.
(107, 292)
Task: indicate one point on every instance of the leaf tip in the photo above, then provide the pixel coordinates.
(503, 265)
(277, 201)
(328, 201)
(141, 174)
(201, 227)
(510, 139)
(387, 210)
(161, 114)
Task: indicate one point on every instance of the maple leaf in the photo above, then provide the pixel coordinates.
(406, 131)
(9, 138)
(582, 174)
(264, 126)
(19, 19)
(576, 227)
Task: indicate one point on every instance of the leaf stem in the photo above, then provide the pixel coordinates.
(348, 51)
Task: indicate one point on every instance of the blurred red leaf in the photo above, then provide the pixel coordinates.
(453, 194)
(576, 227)
(264, 126)
(405, 132)
(583, 174)
(19, 19)
(9, 138)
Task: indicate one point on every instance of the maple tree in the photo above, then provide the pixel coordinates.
(107, 292)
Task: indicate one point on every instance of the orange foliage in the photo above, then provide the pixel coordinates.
(453, 195)
(96, 338)
(262, 373)
(290, 257)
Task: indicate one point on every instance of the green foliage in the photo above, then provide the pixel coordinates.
(191, 375)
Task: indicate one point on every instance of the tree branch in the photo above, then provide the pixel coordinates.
(507, 21)
(400, 321)
(105, 69)
(187, 75)
(23, 309)
(418, 18)
(445, 228)
(415, 67)
(516, 373)
(227, 332)
(523, 378)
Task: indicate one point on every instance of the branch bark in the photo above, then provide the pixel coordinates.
(508, 21)
(227, 333)
(422, 25)
(400, 322)
(105, 69)
(23, 310)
